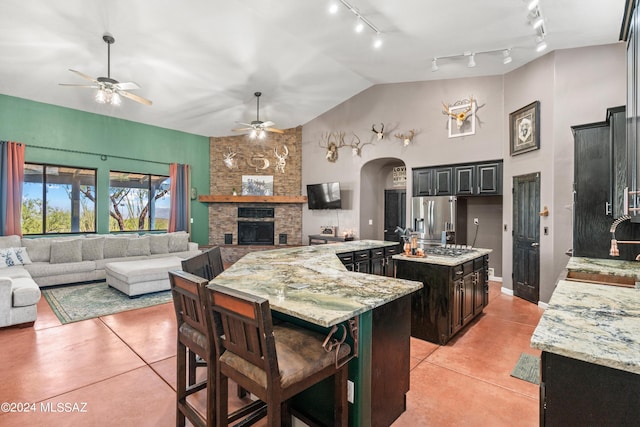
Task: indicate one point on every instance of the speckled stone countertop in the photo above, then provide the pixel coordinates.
(605, 266)
(312, 284)
(596, 323)
(447, 260)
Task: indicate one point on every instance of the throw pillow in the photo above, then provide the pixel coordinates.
(22, 256)
(66, 251)
(178, 242)
(8, 258)
(115, 247)
(92, 248)
(9, 241)
(159, 243)
(39, 249)
(137, 247)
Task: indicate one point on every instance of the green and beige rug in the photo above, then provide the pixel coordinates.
(527, 368)
(86, 301)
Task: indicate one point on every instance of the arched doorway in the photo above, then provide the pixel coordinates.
(376, 176)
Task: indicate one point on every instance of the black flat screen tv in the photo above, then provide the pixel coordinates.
(324, 196)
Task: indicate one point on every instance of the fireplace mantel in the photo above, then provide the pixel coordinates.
(220, 198)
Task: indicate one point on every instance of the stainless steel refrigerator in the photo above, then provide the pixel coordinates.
(439, 220)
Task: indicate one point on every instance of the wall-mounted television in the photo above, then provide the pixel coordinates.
(324, 196)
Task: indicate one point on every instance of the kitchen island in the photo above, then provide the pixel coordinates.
(455, 291)
(590, 341)
(311, 286)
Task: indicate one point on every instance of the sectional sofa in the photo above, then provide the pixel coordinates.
(26, 264)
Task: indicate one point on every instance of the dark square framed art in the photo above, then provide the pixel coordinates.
(524, 129)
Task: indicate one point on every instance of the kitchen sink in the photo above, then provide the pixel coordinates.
(601, 279)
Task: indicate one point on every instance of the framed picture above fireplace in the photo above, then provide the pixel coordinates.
(257, 185)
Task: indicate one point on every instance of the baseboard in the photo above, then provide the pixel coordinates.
(495, 279)
(543, 305)
(506, 291)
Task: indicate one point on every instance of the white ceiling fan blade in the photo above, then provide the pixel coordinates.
(267, 124)
(249, 125)
(84, 76)
(241, 129)
(133, 97)
(127, 86)
(75, 85)
(274, 130)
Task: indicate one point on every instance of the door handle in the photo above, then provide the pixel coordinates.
(535, 245)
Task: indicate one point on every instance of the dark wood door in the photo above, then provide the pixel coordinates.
(526, 237)
(395, 208)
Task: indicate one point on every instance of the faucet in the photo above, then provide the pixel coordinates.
(613, 251)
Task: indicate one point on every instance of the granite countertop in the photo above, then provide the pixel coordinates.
(447, 260)
(327, 292)
(596, 323)
(605, 266)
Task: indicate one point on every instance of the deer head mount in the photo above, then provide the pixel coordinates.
(406, 139)
(282, 159)
(229, 158)
(460, 116)
(356, 145)
(332, 141)
(379, 133)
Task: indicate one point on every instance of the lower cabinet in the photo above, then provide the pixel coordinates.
(450, 299)
(377, 261)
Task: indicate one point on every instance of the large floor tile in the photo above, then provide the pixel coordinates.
(150, 331)
(514, 309)
(488, 349)
(135, 398)
(38, 364)
(421, 348)
(441, 397)
(46, 317)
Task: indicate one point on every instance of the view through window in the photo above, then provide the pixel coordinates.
(58, 199)
(138, 201)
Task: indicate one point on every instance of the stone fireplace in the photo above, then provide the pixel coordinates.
(250, 225)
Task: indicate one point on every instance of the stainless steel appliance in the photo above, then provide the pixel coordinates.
(435, 220)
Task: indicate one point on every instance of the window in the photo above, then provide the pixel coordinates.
(58, 199)
(138, 201)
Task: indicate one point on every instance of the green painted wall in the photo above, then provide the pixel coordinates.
(63, 136)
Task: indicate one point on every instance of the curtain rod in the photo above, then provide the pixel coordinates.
(102, 156)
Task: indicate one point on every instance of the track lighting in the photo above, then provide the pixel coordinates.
(532, 4)
(541, 46)
(377, 41)
(361, 21)
(472, 61)
(507, 56)
(538, 23)
(434, 65)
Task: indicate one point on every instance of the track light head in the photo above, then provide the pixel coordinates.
(377, 41)
(359, 26)
(472, 61)
(541, 46)
(507, 56)
(333, 7)
(434, 65)
(532, 4)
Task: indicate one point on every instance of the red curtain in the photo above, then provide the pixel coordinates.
(179, 190)
(13, 160)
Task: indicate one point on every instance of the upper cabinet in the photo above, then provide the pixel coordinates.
(472, 179)
(630, 33)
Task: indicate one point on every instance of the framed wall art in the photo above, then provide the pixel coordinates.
(257, 185)
(524, 129)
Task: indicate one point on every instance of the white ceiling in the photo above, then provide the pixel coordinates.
(200, 61)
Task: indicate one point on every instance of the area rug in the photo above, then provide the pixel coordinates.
(527, 368)
(86, 301)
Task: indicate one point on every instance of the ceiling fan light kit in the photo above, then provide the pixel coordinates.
(257, 128)
(108, 90)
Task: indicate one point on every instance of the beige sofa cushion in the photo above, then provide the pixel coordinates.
(93, 248)
(66, 251)
(115, 247)
(159, 243)
(39, 249)
(137, 247)
(25, 292)
(178, 241)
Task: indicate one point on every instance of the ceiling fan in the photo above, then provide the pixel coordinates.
(257, 126)
(108, 89)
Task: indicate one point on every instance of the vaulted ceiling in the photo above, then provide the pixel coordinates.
(200, 61)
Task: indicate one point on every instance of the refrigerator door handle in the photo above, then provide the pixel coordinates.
(432, 204)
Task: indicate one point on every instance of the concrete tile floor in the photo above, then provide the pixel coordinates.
(120, 370)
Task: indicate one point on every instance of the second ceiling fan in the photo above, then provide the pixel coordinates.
(257, 127)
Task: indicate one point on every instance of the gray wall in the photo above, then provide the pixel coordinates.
(574, 86)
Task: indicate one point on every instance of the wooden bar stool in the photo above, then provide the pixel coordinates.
(272, 362)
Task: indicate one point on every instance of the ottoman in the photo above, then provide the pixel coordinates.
(141, 276)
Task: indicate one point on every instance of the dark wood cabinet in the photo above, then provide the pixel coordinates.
(389, 263)
(450, 299)
(617, 135)
(479, 179)
(362, 261)
(469, 179)
(377, 261)
(578, 393)
(348, 260)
